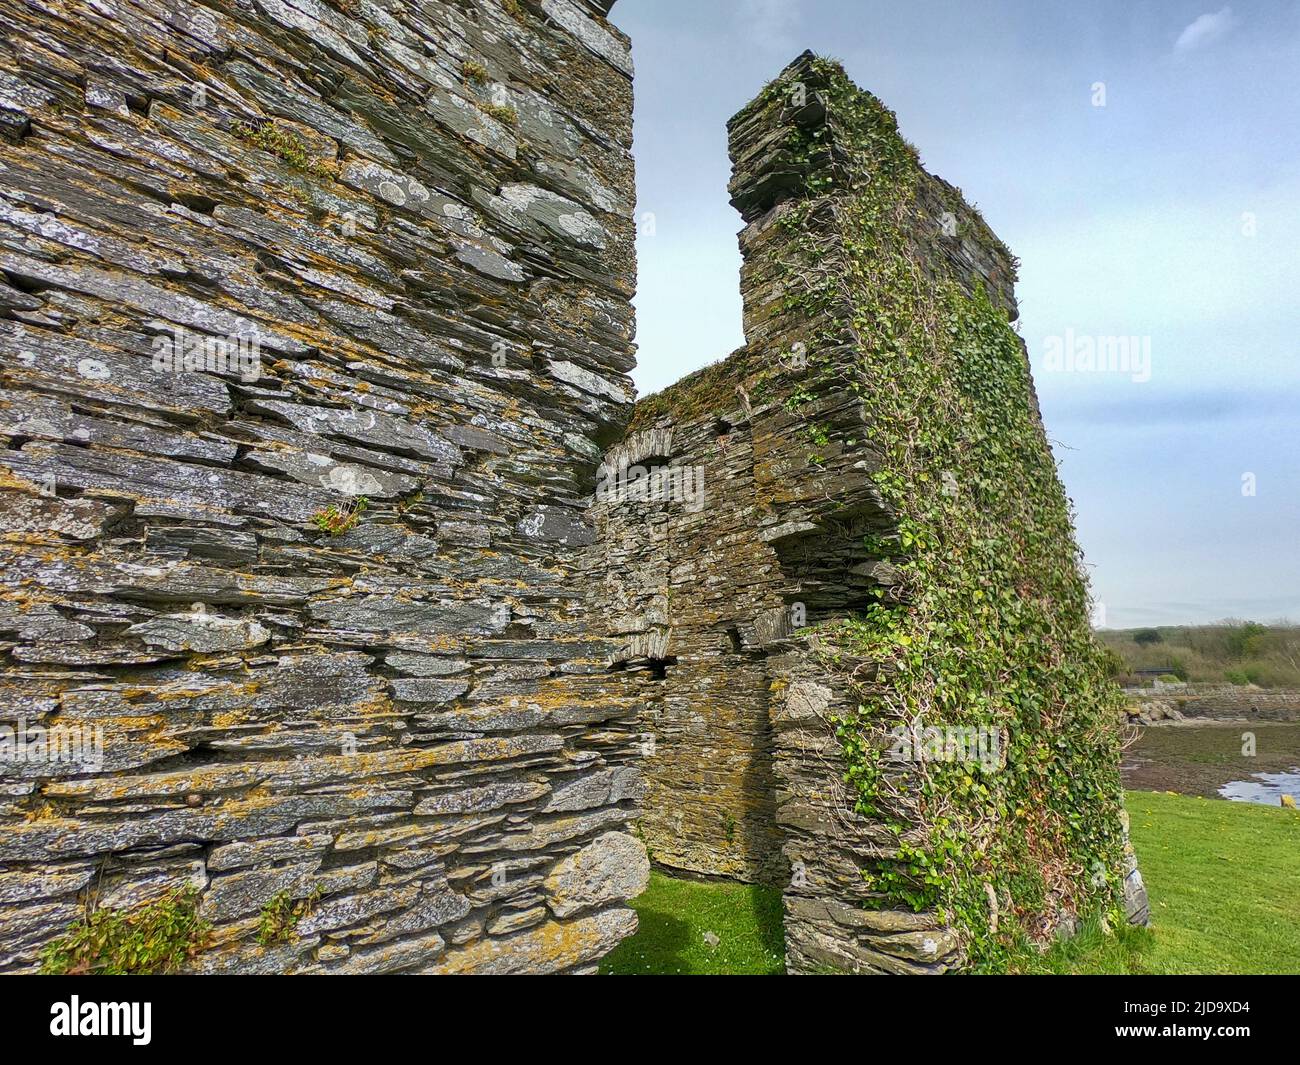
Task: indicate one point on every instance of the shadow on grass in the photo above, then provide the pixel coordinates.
(702, 927)
(659, 946)
(769, 919)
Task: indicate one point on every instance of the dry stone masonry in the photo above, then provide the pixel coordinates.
(736, 518)
(341, 576)
(1172, 702)
(315, 324)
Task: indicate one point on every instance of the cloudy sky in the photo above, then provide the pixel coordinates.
(1143, 161)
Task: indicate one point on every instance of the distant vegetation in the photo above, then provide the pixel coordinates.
(1233, 652)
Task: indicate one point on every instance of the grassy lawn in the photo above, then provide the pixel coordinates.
(676, 915)
(1222, 877)
(1224, 880)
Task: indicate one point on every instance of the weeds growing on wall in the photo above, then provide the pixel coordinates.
(154, 937)
(335, 521)
(278, 921)
(285, 145)
(989, 625)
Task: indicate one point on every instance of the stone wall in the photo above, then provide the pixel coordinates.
(728, 528)
(735, 518)
(261, 260)
(330, 554)
(686, 578)
(1215, 701)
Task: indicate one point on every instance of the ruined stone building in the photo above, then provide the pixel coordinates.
(344, 580)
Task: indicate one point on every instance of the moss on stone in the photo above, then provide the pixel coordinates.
(708, 391)
(503, 113)
(284, 145)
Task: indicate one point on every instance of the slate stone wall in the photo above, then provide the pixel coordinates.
(685, 578)
(1227, 701)
(745, 772)
(261, 260)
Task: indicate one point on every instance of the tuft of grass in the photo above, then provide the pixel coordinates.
(474, 71)
(515, 10)
(676, 916)
(1094, 950)
(503, 113)
(405, 503)
(152, 938)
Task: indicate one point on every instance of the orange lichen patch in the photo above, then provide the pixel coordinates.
(147, 723)
(10, 480)
(378, 705)
(294, 772)
(445, 643)
(35, 539)
(557, 696)
(44, 812)
(170, 693)
(229, 935)
(550, 947)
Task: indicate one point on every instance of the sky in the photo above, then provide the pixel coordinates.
(1142, 159)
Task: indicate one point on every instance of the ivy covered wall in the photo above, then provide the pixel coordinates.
(941, 731)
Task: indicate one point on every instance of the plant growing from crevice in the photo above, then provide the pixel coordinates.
(278, 922)
(285, 145)
(154, 937)
(407, 502)
(503, 113)
(335, 521)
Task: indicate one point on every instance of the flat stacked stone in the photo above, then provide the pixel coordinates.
(395, 244)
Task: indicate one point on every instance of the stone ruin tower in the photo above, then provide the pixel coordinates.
(843, 564)
(322, 593)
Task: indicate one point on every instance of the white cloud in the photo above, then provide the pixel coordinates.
(770, 22)
(1205, 30)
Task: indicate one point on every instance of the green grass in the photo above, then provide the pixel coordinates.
(1223, 882)
(1221, 875)
(677, 914)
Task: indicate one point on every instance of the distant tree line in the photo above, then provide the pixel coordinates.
(1233, 651)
